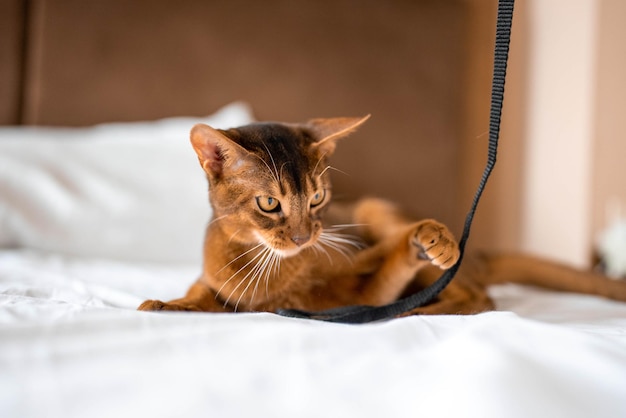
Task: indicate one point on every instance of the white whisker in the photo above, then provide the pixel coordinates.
(268, 272)
(342, 243)
(263, 254)
(273, 163)
(347, 239)
(268, 168)
(238, 257)
(318, 163)
(338, 248)
(263, 270)
(315, 249)
(276, 267)
(323, 171)
(217, 219)
(233, 236)
(344, 226)
(253, 274)
(260, 267)
(238, 271)
(337, 170)
(281, 170)
(319, 248)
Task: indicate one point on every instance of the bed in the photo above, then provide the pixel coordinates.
(84, 242)
(96, 217)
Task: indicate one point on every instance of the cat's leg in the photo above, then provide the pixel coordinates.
(199, 297)
(389, 266)
(378, 219)
(461, 296)
(456, 300)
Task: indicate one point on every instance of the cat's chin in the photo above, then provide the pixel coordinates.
(288, 252)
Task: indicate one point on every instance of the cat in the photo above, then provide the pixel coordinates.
(275, 242)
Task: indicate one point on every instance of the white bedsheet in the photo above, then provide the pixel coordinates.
(72, 345)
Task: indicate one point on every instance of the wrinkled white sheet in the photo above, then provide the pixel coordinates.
(71, 345)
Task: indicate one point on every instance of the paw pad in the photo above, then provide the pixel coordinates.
(434, 242)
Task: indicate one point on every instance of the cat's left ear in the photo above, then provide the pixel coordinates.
(328, 131)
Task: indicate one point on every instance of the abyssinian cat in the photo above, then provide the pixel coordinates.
(275, 242)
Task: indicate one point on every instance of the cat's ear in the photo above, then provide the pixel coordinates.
(328, 131)
(215, 150)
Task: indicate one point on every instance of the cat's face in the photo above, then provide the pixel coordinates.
(269, 182)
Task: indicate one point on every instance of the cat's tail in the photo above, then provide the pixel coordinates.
(528, 270)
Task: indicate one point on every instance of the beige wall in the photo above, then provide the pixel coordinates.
(562, 38)
(562, 161)
(609, 156)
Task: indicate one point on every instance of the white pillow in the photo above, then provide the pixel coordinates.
(129, 191)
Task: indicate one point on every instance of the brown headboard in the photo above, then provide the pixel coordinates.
(79, 62)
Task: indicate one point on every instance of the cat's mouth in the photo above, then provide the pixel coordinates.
(282, 251)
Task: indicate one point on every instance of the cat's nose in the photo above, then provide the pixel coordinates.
(300, 240)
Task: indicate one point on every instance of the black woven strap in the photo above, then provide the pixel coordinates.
(363, 314)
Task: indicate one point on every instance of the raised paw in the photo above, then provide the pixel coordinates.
(157, 305)
(433, 241)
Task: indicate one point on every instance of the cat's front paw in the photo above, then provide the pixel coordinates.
(157, 305)
(433, 241)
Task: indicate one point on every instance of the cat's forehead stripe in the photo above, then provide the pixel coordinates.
(282, 149)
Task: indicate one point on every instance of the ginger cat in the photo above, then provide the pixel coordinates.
(274, 241)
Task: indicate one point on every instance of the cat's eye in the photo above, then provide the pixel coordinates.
(318, 198)
(268, 204)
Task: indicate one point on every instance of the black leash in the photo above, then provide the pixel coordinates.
(363, 314)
